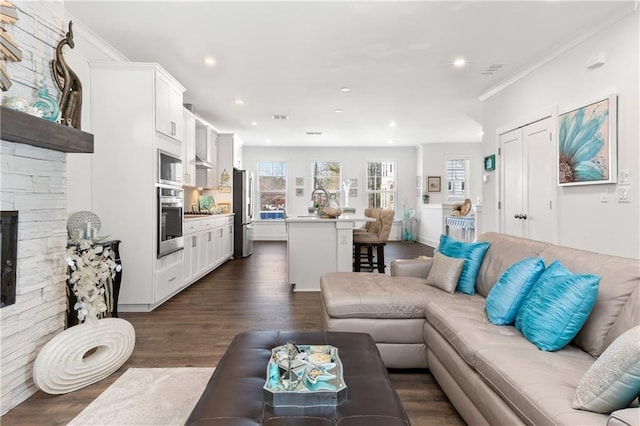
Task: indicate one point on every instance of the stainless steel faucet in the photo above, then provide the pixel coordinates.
(319, 190)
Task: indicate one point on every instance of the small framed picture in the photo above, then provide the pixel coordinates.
(299, 181)
(490, 163)
(353, 192)
(299, 192)
(353, 182)
(433, 184)
(225, 207)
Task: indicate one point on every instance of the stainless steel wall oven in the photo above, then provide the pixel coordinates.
(170, 213)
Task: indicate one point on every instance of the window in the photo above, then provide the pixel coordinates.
(327, 175)
(272, 190)
(457, 178)
(381, 184)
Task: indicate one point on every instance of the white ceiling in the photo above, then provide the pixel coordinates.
(292, 58)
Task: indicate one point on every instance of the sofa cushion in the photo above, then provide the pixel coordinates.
(504, 251)
(462, 321)
(366, 295)
(613, 381)
(619, 277)
(445, 272)
(472, 253)
(536, 384)
(505, 298)
(556, 309)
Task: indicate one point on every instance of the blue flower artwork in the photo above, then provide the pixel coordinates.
(585, 144)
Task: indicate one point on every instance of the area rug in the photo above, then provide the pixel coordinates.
(147, 396)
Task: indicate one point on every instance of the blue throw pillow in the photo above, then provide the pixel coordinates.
(556, 269)
(472, 253)
(556, 309)
(506, 296)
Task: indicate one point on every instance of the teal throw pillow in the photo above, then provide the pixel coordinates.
(613, 380)
(556, 309)
(506, 296)
(555, 269)
(472, 253)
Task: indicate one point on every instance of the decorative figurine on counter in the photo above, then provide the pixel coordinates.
(68, 83)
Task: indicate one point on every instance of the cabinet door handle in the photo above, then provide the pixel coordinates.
(172, 279)
(194, 241)
(173, 128)
(209, 236)
(524, 216)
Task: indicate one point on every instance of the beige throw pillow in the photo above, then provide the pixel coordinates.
(445, 272)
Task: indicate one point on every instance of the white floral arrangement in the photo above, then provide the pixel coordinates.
(93, 269)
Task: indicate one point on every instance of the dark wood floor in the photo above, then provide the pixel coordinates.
(194, 328)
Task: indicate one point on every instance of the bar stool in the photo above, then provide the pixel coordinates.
(376, 236)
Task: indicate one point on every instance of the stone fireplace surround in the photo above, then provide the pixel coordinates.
(33, 181)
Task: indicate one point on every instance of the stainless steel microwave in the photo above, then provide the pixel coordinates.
(169, 168)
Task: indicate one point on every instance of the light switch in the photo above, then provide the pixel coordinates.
(604, 196)
(624, 177)
(623, 195)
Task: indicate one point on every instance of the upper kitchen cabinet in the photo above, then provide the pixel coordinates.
(169, 95)
(189, 149)
(229, 147)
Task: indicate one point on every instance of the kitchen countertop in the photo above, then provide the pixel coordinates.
(205, 216)
(342, 218)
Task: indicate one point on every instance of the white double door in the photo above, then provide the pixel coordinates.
(528, 181)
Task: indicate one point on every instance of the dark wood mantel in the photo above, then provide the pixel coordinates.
(19, 127)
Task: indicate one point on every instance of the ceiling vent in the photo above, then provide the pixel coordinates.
(280, 117)
(314, 133)
(492, 69)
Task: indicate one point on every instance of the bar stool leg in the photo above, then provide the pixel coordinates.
(380, 258)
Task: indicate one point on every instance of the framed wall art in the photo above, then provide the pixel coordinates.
(433, 184)
(490, 163)
(587, 143)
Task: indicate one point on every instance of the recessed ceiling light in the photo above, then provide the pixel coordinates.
(268, 141)
(254, 123)
(481, 133)
(239, 102)
(209, 60)
(459, 62)
(345, 89)
(393, 124)
(390, 142)
(338, 110)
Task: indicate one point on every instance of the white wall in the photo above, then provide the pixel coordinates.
(353, 167)
(583, 220)
(434, 157)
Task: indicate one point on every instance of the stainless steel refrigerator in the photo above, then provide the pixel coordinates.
(243, 188)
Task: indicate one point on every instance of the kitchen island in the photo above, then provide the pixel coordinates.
(317, 245)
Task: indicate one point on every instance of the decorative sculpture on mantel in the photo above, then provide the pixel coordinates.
(68, 83)
(9, 50)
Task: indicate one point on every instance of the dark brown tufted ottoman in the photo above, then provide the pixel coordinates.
(233, 396)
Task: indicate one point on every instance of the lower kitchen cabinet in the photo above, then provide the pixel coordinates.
(208, 244)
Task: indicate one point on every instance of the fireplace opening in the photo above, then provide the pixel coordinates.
(9, 248)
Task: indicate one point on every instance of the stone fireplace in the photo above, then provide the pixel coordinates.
(33, 182)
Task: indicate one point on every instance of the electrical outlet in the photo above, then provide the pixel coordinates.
(604, 196)
(623, 195)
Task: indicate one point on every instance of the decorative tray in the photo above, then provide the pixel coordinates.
(304, 376)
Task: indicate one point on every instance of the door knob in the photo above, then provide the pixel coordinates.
(524, 216)
(517, 216)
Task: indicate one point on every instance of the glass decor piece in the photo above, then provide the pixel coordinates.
(47, 105)
(332, 209)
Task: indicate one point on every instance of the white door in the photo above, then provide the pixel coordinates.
(528, 184)
(511, 143)
(539, 207)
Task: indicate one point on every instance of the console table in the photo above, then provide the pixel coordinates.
(72, 317)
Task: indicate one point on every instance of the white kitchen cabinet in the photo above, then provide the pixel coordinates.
(208, 244)
(189, 149)
(124, 173)
(168, 106)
